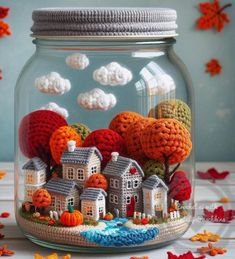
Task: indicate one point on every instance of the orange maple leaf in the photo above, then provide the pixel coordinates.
(213, 67)
(213, 16)
(4, 29)
(2, 174)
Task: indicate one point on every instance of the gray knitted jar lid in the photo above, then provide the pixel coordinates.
(104, 22)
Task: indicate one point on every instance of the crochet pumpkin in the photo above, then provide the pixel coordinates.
(173, 109)
(97, 181)
(166, 140)
(123, 120)
(71, 217)
(82, 130)
(107, 141)
(35, 131)
(59, 141)
(180, 188)
(132, 139)
(41, 198)
(154, 167)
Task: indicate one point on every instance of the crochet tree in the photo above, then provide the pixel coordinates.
(167, 141)
(97, 181)
(41, 199)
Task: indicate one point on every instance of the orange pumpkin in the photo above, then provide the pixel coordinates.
(97, 181)
(71, 217)
(108, 216)
(41, 198)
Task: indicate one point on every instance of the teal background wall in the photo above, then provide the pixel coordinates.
(215, 110)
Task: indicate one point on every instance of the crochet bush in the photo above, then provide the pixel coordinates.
(107, 141)
(132, 139)
(154, 167)
(35, 131)
(97, 181)
(59, 141)
(166, 140)
(173, 109)
(123, 120)
(180, 188)
(82, 130)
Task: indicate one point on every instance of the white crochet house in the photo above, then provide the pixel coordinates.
(34, 176)
(93, 203)
(155, 196)
(80, 163)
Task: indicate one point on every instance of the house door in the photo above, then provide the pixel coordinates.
(130, 208)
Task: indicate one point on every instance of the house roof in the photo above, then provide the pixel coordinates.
(119, 167)
(35, 164)
(153, 182)
(80, 155)
(61, 186)
(92, 194)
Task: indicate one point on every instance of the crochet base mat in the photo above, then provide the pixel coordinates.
(69, 239)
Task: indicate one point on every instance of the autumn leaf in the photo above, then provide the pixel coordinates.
(4, 12)
(213, 16)
(213, 67)
(4, 29)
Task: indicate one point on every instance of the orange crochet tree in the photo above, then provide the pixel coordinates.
(97, 181)
(41, 198)
(167, 141)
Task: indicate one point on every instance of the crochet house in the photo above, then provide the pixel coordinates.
(80, 163)
(125, 177)
(93, 203)
(155, 196)
(63, 192)
(34, 176)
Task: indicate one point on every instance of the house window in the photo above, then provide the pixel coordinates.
(71, 201)
(89, 211)
(128, 199)
(158, 195)
(147, 196)
(29, 178)
(70, 173)
(136, 183)
(42, 177)
(114, 183)
(129, 184)
(136, 198)
(113, 198)
(94, 169)
(158, 207)
(29, 193)
(53, 201)
(101, 209)
(58, 205)
(101, 197)
(80, 174)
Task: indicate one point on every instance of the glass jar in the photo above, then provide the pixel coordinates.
(103, 132)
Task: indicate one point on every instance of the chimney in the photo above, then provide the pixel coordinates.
(71, 145)
(114, 156)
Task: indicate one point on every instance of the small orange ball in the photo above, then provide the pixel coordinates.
(132, 139)
(59, 140)
(121, 122)
(166, 139)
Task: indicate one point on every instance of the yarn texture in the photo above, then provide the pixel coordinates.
(123, 120)
(166, 139)
(82, 130)
(154, 167)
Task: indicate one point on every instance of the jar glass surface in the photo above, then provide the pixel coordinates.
(140, 91)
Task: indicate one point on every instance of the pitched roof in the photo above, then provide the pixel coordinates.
(35, 164)
(120, 166)
(80, 155)
(153, 182)
(61, 186)
(92, 194)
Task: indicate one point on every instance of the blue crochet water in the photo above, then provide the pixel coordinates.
(118, 235)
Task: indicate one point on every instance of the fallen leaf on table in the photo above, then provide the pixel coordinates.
(52, 256)
(4, 251)
(4, 29)
(213, 174)
(211, 250)
(5, 214)
(205, 237)
(2, 174)
(213, 67)
(219, 215)
(225, 200)
(213, 16)
(4, 12)
(187, 255)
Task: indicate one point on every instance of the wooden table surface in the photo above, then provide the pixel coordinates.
(206, 195)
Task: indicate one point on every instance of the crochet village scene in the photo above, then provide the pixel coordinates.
(126, 184)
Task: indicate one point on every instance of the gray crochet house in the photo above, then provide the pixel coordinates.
(80, 163)
(125, 177)
(34, 176)
(155, 196)
(63, 192)
(93, 203)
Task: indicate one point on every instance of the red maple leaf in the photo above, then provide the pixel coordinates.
(213, 16)
(4, 12)
(187, 255)
(213, 174)
(213, 67)
(219, 215)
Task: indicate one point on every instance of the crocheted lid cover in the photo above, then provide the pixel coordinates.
(104, 22)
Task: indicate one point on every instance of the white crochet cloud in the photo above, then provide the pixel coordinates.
(97, 99)
(112, 74)
(77, 61)
(56, 108)
(53, 84)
